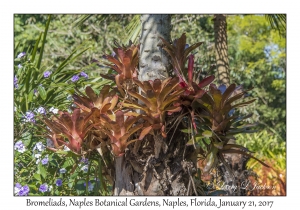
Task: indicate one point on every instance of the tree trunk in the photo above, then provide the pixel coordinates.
(220, 29)
(154, 62)
(237, 162)
(157, 165)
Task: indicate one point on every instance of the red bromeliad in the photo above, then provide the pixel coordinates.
(69, 130)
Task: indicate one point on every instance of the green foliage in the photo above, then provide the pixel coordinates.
(269, 146)
(40, 84)
(258, 59)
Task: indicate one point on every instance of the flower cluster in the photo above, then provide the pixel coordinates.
(76, 77)
(41, 110)
(52, 109)
(29, 117)
(20, 147)
(85, 164)
(21, 190)
(39, 147)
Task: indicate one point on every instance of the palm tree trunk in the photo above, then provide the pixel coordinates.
(154, 62)
(221, 48)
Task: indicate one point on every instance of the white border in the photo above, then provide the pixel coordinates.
(154, 6)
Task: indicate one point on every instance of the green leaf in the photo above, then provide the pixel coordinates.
(218, 145)
(30, 96)
(36, 47)
(207, 134)
(42, 92)
(37, 177)
(186, 130)
(43, 43)
(42, 171)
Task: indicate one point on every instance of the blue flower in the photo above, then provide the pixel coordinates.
(83, 74)
(41, 110)
(21, 191)
(58, 182)
(16, 82)
(84, 160)
(43, 188)
(22, 54)
(29, 117)
(18, 187)
(24, 191)
(39, 146)
(19, 146)
(47, 74)
(62, 170)
(90, 186)
(45, 161)
(85, 168)
(75, 78)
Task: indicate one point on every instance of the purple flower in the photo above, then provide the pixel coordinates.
(83, 74)
(84, 160)
(58, 182)
(75, 78)
(47, 74)
(41, 110)
(20, 66)
(45, 161)
(29, 117)
(90, 186)
(21, 191)
(43, 188)
(39, 146)
(24, 191)
(16, 82)
(18, 186)
(20, 146)
(22, 54)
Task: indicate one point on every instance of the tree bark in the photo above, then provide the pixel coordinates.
(154, 62)
(221, 48)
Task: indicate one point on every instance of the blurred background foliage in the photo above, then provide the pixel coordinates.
(257, 58)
